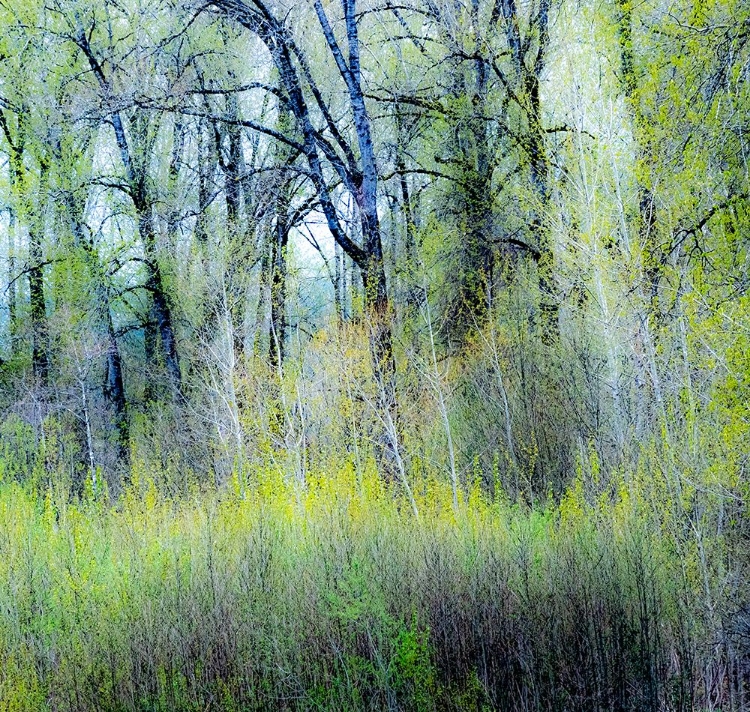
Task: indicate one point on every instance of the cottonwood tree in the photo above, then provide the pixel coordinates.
(28, 166)
(329, 152)
(48, 128)
(135, 133)
(489, 141)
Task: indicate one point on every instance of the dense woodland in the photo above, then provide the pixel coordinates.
(374, 354)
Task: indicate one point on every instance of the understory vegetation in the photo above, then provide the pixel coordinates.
(374, 355)
(334, 596)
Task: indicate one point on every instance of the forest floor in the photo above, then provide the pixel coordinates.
(333, 595)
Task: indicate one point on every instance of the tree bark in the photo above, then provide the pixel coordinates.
(205, 165)
(33, 209)
(278, 325)
(527, 60)
(233, 168)
(38, 309)
(12, 295)
(37, 301)
(359, 176)
(136, 176)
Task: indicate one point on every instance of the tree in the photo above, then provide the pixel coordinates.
(135, 148)
(353, 164)
(28, 180)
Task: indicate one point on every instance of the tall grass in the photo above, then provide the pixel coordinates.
(333, 596)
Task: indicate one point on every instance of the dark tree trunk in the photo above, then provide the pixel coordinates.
(206, 164)
(479, 228)
(262, 322)
(150, 353)
(338, 282)
(233, 174)
(233, 168)
(38, 309)
(37, 301)
(539, 170)
(278, 330)
(359, 175)
(136, 175)
(528, 62)
(163, 318)
(33, 207)
(175, 160)
(410, 226)
(115, 389)
(12, 297)
(161, 315)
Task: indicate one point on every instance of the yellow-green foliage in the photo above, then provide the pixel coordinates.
(333, 595)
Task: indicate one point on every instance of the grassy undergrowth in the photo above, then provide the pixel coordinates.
(333, 596)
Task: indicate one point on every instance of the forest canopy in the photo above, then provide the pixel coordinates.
(471, 266)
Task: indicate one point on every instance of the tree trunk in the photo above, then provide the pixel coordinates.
(234, 168)
(115, 389)
(37, 302)
(539, 170)
(410, 225)
(136, 175)
(12, 298)
(278, 326)
(39, 357)
(528, 62)
(205, 164)
(160, 309)
(173, 215)
(651, 259)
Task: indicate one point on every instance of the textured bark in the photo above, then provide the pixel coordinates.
(175, 161)
(160, 309)
(136, 175)
(338, 282)
(479, 252)
(32, 208)
(359, 175)
(233, 172)
(37, 300)
(528, 62)
(12, 296)
(38, 310)
(206, 164)
(278, 328)
(539, 168)
(233, 169)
